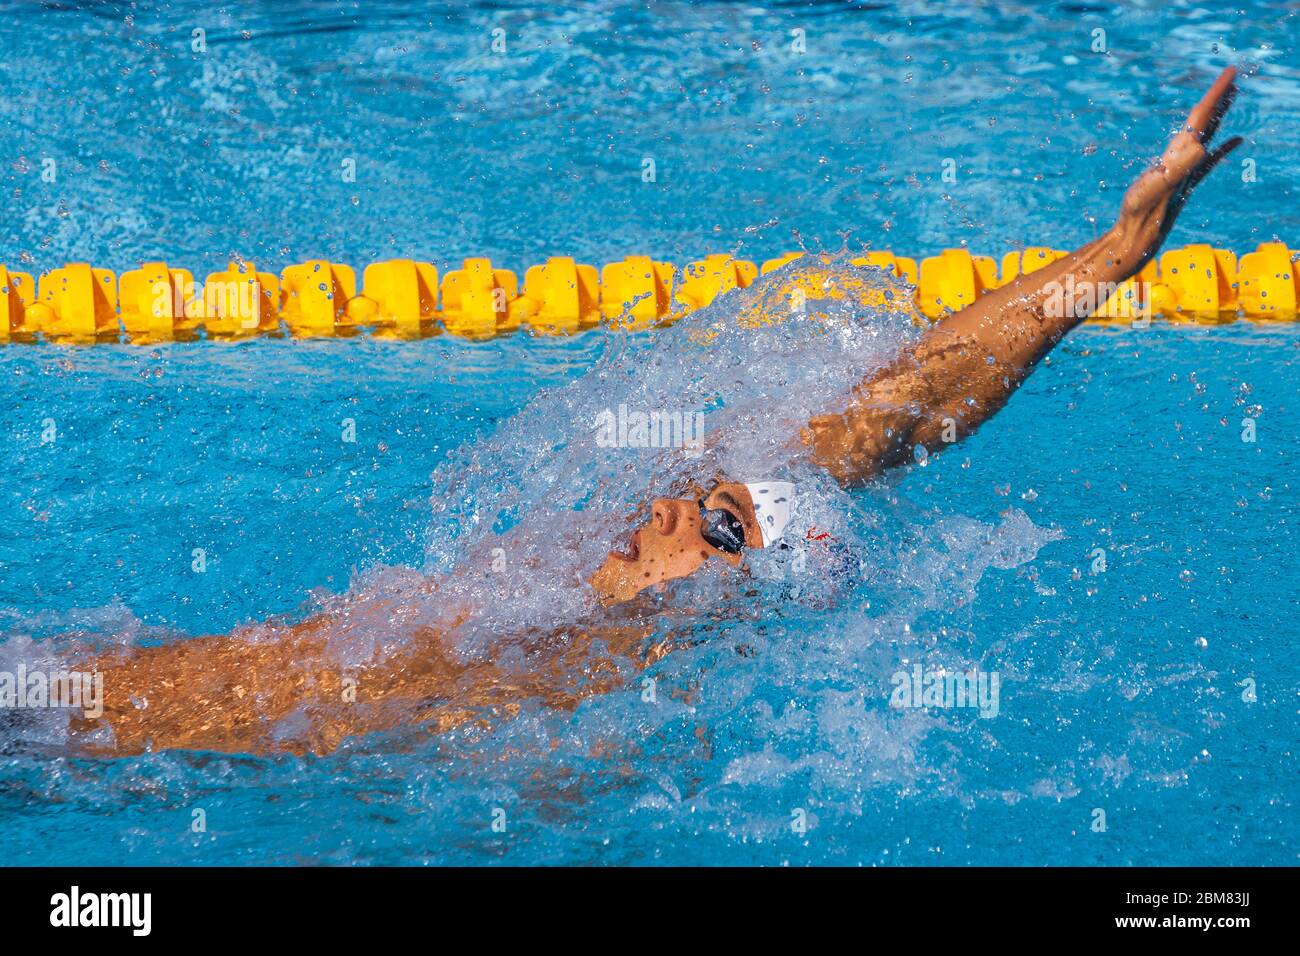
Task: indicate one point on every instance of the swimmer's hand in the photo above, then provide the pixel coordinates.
(964, 367)
(1153, 202)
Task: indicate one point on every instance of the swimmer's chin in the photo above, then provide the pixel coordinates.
(615, 581)
(622, 578)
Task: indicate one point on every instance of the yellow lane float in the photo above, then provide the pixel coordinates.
(405, 298)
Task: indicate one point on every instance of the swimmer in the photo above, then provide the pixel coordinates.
(282, 689)
(964, 368)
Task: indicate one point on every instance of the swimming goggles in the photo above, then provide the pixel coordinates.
(725, 531)
(722, 529)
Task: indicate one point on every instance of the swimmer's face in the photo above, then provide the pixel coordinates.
(672, 543)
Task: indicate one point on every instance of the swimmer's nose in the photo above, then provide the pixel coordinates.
(665, 515)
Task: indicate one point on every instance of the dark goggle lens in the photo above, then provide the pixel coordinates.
(722, 529)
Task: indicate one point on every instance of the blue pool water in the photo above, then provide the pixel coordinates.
(1121, 689)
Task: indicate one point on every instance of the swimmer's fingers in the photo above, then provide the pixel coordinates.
(1209, 162)
(1186, 151)
(1202, 170)
(1205, 117)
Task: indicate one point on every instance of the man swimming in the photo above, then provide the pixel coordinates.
(285, 689)
(963, 369)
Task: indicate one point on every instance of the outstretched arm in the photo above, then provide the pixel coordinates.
(285, 690)
(964, 368)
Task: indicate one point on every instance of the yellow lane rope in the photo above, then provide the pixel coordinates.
(407, 299)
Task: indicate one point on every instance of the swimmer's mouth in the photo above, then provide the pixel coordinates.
(633, 550)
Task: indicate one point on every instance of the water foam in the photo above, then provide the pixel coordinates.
(757, 365)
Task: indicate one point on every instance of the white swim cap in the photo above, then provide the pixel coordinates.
(771, 507)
